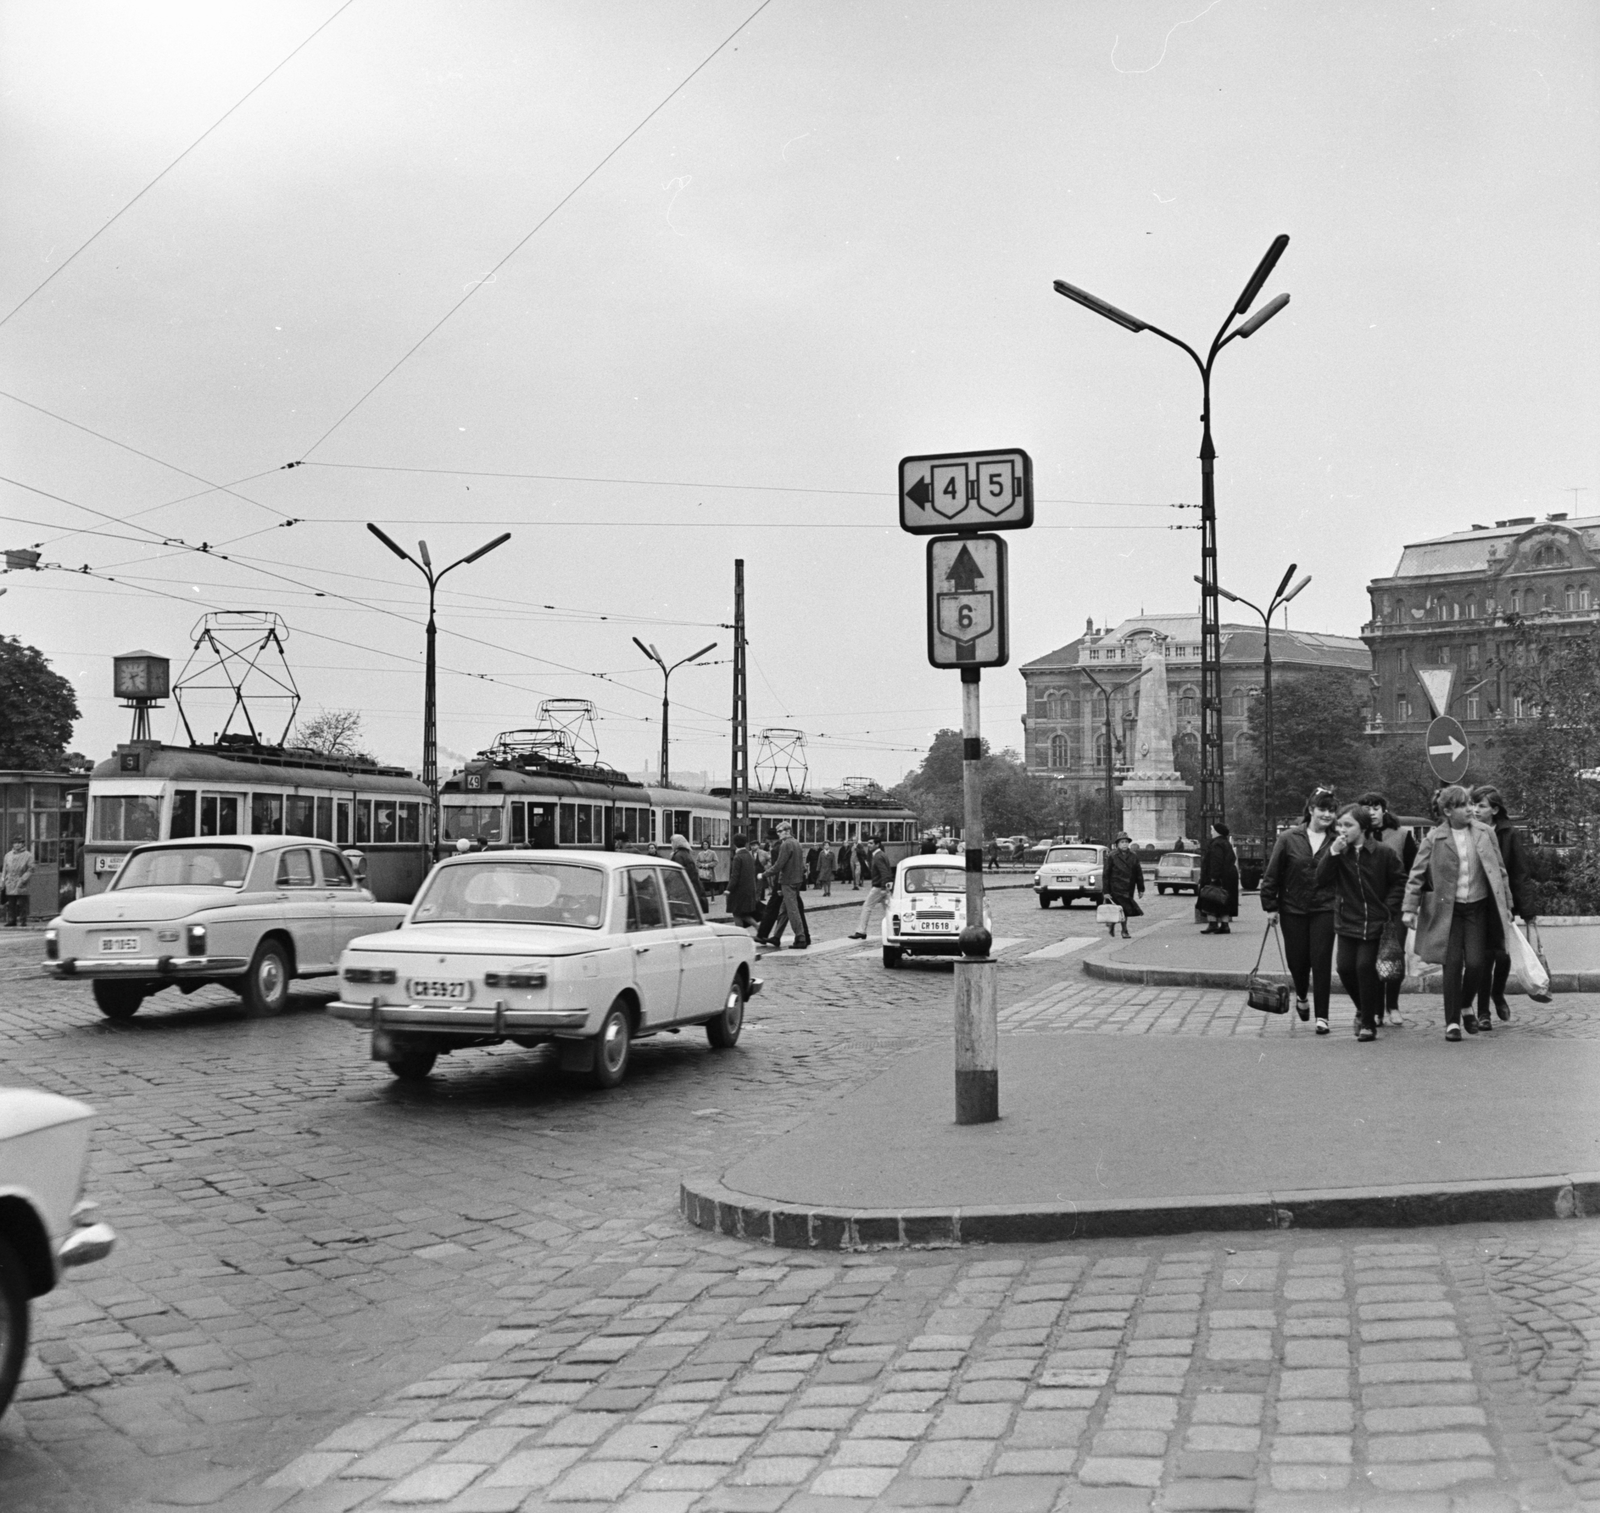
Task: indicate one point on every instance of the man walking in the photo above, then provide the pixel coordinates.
(882, 886)
(16, 872)
(744, 891)
(788, 876)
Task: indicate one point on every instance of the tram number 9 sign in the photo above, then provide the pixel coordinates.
(968, 613)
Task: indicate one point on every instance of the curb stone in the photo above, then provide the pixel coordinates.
(1199, 977)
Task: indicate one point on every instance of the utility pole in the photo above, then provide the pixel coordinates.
(739, 779)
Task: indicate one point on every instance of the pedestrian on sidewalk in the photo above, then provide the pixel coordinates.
(1124, 880)
(706, 865)
(825, 861)
(685, 858)
(1488, 806)
(860, 863)
(1219, 868)
(992, 856)
(882, 879)
(1388, 831)
(16, 872)
(744, 887)
(1458, 898)
(787, 875)
(1289, 890)
(1368, 885)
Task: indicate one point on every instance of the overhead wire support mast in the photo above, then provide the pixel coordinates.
(1212, 806)
(739, 775)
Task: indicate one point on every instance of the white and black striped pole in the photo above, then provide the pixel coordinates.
(977, 1036)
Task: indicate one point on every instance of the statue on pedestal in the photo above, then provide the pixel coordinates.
(1154, 797)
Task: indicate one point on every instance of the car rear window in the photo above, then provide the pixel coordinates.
(946, 879)
(1071, 854)
(1179, 858)
(185, 867)
(513, 892)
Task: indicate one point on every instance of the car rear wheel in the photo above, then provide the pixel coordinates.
(413, 1066)
(118, 1000)
(1044, 900)
(723, 1031)
(1161, 888)
(891, 956)
(13, 1322)
(265, 989)
(612, 1047)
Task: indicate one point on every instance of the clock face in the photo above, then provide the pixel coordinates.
(133, 678)
(140, 677)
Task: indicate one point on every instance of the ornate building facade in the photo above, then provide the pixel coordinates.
(1064, 722)
(1444, 606)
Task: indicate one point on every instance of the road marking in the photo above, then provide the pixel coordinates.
(1061, 948)
(816, 948)
(1006, 942)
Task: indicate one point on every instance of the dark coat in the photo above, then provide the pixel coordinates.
(1124, 878)
(1289, 885)
(825, 862)
(1219, 868)
(1514, 852)
(744, 890)
(1431, 888)
(1368, 884)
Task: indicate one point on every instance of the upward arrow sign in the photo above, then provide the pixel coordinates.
(964, 572)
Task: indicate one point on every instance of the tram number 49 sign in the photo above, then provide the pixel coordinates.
(968, 612)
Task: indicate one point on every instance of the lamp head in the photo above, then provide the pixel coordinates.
(1262, 316)
(399, 551)
(1260, 276)
(1296, 589)
(483, 551)
(1098, 305)
(422, 549)
(1277, 593)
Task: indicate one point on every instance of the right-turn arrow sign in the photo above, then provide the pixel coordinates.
(1448, 752)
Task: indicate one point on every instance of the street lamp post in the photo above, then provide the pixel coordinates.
(1105, 693)
(430, 708)
(1279, 597)
(1211, 794)
(666, 674)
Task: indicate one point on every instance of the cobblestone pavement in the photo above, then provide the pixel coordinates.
(333, 1291)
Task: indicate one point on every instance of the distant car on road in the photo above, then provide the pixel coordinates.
(1070, 872)
(589, 950)
(1178, 871)
(44, 1227)
(252, 912)
(927, 909)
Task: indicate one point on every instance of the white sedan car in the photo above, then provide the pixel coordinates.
(1069, 872)
(252, 912)
(927, 910)
(44, 1227)
(590, 950)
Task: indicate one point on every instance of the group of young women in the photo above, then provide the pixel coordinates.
(1347, 878)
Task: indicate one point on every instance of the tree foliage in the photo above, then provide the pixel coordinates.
(1319, 722)
(1557, 677)
(1014, 802)
(332, 733)
(37, 708)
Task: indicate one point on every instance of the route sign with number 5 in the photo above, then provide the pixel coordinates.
(966, 491)
(968, 613)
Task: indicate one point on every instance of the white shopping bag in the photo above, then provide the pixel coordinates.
(1527, 971)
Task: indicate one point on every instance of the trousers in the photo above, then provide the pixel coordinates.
(1358, 971)
(1308, 948)
(1466, 956)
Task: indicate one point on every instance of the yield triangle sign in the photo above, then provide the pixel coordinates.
(1436, 683)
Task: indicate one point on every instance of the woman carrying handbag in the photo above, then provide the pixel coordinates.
(1368, 884)
(1218, 897)
(1488, 806)
(1289, 889)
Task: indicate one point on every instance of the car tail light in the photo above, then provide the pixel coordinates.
(513, 979)
(369, 974)
(52, 946)
(894, 925)
(197, 940)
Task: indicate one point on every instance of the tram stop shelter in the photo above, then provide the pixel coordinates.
(46, 811)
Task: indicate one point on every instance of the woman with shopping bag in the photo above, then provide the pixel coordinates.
(1488, 806)
(1290, 890)
(1458, 899)
(1368, 885)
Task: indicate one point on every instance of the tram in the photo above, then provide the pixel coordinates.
(149, 791)
(518, 794)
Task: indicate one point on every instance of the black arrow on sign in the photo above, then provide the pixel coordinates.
(964, 571)
(919, 493)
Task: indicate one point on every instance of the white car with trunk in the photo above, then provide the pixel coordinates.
(589, 950)
(927, 909)
(45, 1226)
(1071, 871)
(252, 912)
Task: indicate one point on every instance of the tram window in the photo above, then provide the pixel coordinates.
(569, 824)
(300, 814)
(585, 827)
(542, 826)
(325, 819)
(341, 822)
(219, 814)
(363, 822)
(127, 817)
(408, 822)
(266, 814)
(383, 830)
(519, 824)
(182, 825)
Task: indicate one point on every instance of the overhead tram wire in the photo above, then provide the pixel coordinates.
(543, 221)
(83, 247)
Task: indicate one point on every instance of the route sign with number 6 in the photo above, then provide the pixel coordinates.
(968, 614)
(966, 491)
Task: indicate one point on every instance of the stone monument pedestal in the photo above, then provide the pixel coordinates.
(1154, 809)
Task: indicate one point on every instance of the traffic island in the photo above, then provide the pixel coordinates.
(1123, 1136)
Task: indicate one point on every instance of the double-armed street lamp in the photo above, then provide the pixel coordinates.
(1211, 797)
(430, 734)
(666, 675)
(1281, 595)
(1105, 693)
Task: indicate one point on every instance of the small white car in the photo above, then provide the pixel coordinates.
(1178, 870)
(252, 912)
(927, 909)
(44, 1227)
(591, 950)
(1069, 872)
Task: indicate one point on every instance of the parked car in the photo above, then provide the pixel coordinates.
(44, 1225)
(589, 950)
(252, 912)
(1178, 871)
(1071, 872)
(927, 909)
(1014, 847)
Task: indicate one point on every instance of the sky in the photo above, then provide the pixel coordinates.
(655, 286)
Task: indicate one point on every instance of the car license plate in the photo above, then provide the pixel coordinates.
(118, 945)
(439, 990)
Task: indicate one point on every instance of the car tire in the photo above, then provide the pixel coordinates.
(118, 1000)
(1044, 900)
(1161, 888)
(413, 1066)
(612, 1047)
(265, 989)
(13, 1322)
(891, 956)
(723, 1031)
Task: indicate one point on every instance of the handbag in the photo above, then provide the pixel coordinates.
(1261, 992)
(1110, 914)
(1212, 899)
(1392, 952)
(1529, 968)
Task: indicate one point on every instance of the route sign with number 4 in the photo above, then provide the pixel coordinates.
(966, 491)
(968, 614)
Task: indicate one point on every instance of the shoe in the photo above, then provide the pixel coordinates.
(1322, 1026)
(1469, 1022)
(801, 945)
(1223, 930)
(857, 935)
(1394, 1019)
(1485, 1024)
(1210, 930)
(1366, 1032)
(1126, 936)
(1501, 1007)
(761, 940)
(1302, 1007)
(1452, 1032)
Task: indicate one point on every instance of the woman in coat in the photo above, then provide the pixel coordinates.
(744, 887)
(1124, 879)
(1304, 907)
(825, 859)
(685, 858)
(1219, 868)
(1458, 899)
(1368, 886)
(1388, 831)
(1488, 806)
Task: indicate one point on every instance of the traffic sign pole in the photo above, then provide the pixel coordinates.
(977, 996)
